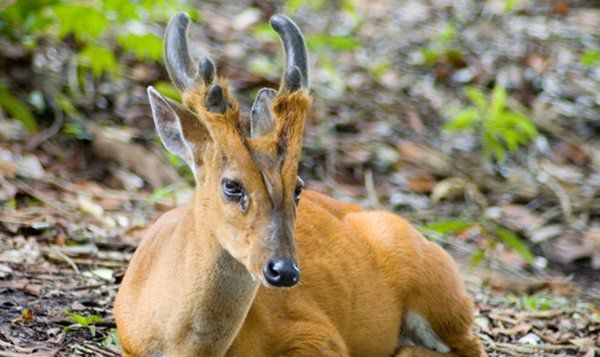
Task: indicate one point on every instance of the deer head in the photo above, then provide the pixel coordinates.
(246, 171)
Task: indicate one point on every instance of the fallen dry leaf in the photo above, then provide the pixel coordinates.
(421, 183)
(26, 287)
(26, 314)
(432, 160)
(521, 327)
(591, 241)
(520, 218)
(584, 344)
(448, 189)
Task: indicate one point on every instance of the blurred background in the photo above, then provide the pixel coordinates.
(479, 121)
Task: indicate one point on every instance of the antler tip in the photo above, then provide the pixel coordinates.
(181, 17)
(277, 21)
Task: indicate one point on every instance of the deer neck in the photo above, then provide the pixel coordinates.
(222, 290)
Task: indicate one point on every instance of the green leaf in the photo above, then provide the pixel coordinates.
(65, 104)
(449, 226)
(261, 65)
(510, 137)
(478, 257)
(122, 11)
(85, 22)
(84, 321)
(520, 123)
(99, 60)
(145, 47)
(380, 69)
(430, 55)
(17, 110)
(448, 33)
(509, 5)
(320, 41)
(477, 97)
(161, 193)
(112, 339)
(76, 130)
(590, 58)
(167, 89)
(264, 30)
(463, 120)
(498, 102)
(292, 6)
(515, 243)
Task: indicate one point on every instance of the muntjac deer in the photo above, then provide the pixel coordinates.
(256, 266)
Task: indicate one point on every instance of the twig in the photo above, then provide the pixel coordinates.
(370, 187)
(563, 197)
(102, 351)
(532, 348)
(59, 119)
(40, 196)
(93, 351)
(15, 347)
(100, 263)
(106, 193)
(64, 257)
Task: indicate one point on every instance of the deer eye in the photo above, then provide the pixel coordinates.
(298, 190)
(233, 190)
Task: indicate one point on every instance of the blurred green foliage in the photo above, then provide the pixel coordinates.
(83, 321)
(443, 48)
(509, 5)
(102, 35)
(494, 232)
(500, 129)
(320, 45)
(542, 302)
(112, 340)
(98, 27)
(18, 110)
(590, 58)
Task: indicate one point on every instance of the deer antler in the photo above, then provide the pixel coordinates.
(296, 71)
(182, 69)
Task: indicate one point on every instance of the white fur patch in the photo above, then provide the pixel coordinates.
(418, 330)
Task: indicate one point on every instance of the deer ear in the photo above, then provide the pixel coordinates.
(261, 119)
(179, 129)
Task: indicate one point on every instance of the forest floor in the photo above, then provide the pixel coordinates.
(526, 232)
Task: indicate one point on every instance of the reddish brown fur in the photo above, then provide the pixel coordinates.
(192, 288)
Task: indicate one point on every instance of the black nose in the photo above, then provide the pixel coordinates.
(282, 272)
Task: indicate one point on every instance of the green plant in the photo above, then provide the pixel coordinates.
(541, 302)
(16, 109)
(443, 48)
(493, 233)
(112, 339)
(103, 35)
(590, 58)
(89, 322)
(95, 26)
(509, 5)
(499, 128)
